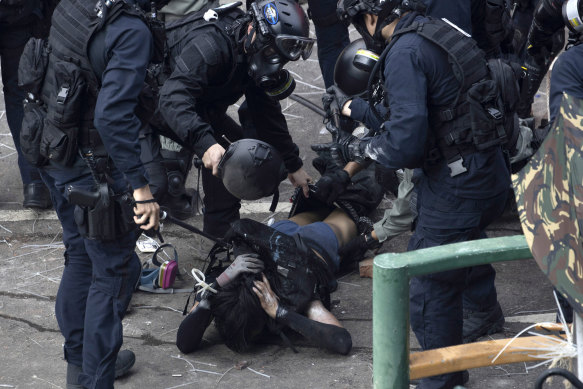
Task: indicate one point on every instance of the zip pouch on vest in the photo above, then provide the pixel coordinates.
(64, 113)
(32, 67)
(486, 115)
(31, 133)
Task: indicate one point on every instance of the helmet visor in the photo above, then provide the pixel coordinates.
(292, 47)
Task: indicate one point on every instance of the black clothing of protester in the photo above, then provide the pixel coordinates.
(209, 74)
(281, 241)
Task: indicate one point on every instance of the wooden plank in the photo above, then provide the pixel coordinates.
(472, 355)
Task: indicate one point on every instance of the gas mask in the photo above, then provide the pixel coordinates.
(266, 70)
(279, 34)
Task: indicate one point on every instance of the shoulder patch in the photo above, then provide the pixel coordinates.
(208, 49)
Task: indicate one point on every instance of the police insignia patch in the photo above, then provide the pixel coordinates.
(549, 195)
(270, 13)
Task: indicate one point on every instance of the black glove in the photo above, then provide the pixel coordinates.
(347, 149)
(334, 100)
(331, 185)
(358, 246)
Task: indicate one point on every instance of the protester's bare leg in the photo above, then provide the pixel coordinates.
(342, 225)
(317, 312)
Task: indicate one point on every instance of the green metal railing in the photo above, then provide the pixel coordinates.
(391, 275)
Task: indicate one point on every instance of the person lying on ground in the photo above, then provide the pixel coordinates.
(273, 286)
(283, 275)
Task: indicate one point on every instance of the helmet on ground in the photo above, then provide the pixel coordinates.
(251, 169)
(353, 68)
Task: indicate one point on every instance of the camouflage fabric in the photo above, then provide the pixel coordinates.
(549, 194)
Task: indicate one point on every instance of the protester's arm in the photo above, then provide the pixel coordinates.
(192, 328)
(325, 331)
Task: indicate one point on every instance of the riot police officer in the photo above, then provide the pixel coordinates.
(215, 60)
(90, 138)
(19, 20)
(461, 184)
(550, 19)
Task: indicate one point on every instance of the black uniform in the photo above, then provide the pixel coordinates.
(18, 22)
(209, 74)
(100, 73)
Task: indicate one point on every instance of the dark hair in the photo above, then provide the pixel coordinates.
(238, 313)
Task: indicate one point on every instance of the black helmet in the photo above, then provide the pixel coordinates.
(572, 10)
(352, 11)
(353, 68)
(251, 169)
(282, 33)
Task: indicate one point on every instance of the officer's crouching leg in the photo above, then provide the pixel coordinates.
(220, 207)
(116, 269)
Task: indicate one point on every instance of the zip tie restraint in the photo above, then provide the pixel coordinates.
(201, 282)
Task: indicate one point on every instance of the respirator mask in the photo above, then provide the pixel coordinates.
(271, 43)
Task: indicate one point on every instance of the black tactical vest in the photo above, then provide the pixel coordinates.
(481, 116)
(71, 87)
(179, 33)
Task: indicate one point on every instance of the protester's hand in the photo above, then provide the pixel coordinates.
(267, 298)
(212, 156)
(331, 185)
(334, 100)
(358, 246)
(244, 263)
(147, 213)
(301, 178)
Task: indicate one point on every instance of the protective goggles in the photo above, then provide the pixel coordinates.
(292, 47)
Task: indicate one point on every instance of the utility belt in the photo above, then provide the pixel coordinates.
(101, 214)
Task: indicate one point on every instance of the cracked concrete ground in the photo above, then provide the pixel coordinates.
(31, 262)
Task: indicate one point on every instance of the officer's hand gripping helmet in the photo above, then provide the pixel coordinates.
(387, 11)
(281, 30)
(353, 68)
(251, 169)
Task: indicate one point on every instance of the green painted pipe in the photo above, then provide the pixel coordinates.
(391, 275)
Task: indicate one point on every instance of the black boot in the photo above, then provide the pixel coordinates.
(36, 195)
(124, 362)
(73, 372)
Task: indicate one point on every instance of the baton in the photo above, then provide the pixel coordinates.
(308, 104)
(166, 216)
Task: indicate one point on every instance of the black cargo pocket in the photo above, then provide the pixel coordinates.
(486, 114)
(55, 145)
(32, 67)
(65, 111)
(31, 133)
